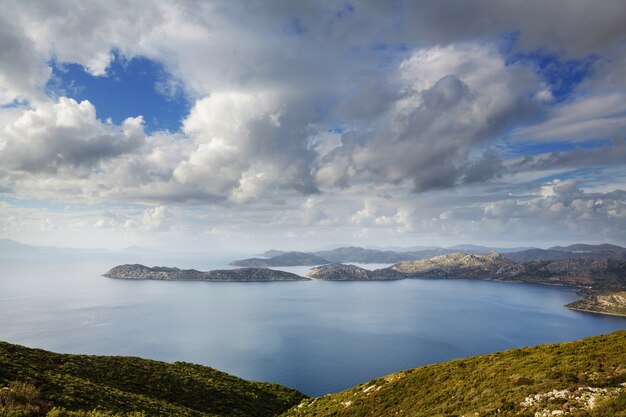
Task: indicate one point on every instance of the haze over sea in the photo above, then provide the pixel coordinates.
(316, 336)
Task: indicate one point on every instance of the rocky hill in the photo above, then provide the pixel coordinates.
(137, 271)
(583, 378)
(460, 265)
(283, 259)
(34, 381)
(594, 274)
(345, 272)
(609, 303)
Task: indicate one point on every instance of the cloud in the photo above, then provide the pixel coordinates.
(595, 116)
(454, 98)
(245, 144)
(65, 136)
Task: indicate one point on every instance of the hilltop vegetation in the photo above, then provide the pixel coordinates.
(583, 378)
(586, 378)
(37, 381)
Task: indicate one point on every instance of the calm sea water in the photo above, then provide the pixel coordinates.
(315, 336)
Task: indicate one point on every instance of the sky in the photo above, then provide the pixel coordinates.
(234, 125)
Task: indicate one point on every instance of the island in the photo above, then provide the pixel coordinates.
(137, 272)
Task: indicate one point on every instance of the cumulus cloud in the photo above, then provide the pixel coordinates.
(453, 99)
(65, 135)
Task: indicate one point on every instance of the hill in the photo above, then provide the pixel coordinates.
(38, 380)
(613, 303)
(582, 378)
(589, 274)
(283, 259)
(394, 255)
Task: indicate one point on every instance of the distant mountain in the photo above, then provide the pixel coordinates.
(10, 247)
(273, 252)
(403, 248)
(581, 247)
(138, 249)
(485, 249)
(362, 255)
(575, 251)
(370, 255)
(283, 259)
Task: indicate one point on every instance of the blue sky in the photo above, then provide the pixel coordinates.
(233, 125)
(130, 87)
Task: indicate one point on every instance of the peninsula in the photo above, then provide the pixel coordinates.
(613, 303)
(137, 271)
(586, 273)
(598, 280)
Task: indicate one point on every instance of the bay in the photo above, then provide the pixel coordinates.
(315, 336)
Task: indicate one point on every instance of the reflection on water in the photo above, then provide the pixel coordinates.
(315, 336)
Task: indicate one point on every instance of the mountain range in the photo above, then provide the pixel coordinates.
(274, 258)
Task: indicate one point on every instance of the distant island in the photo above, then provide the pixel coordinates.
(137, 272)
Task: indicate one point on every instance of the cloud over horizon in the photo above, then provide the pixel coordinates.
(308, 123)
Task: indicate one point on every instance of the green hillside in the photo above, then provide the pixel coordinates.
(586, 378)
(33, 381)
(582, 378)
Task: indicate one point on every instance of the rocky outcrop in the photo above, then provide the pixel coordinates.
(137, 271)
(343, 272)
(609, 303)
(460, 265)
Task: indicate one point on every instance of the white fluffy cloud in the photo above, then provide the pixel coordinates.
(65, 135)
(451, 99)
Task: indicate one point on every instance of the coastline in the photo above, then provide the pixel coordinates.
(593, 311)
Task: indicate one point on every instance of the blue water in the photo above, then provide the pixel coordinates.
(315, 336)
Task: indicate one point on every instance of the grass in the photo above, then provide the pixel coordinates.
(126, 385)
(493, 385)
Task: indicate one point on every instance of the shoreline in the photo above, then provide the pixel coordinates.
(593, 311)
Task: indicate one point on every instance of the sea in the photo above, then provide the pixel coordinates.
(316, 336)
